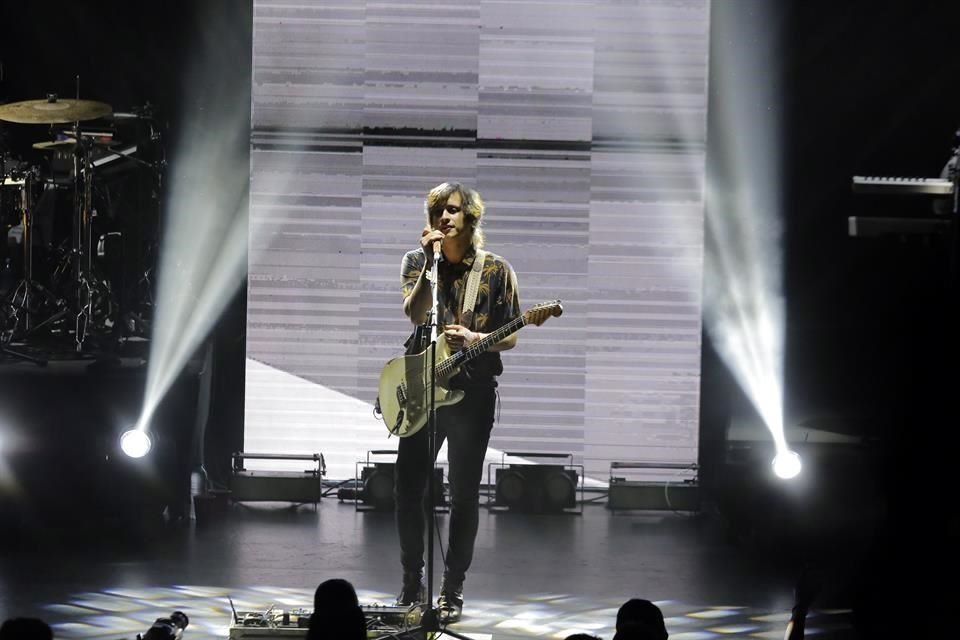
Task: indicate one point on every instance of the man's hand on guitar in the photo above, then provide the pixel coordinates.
(459, 337)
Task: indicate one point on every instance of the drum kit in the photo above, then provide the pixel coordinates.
(80, 218)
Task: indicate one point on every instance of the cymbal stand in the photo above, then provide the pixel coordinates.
(83, 235)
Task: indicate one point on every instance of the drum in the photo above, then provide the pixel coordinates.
(13, 190)
(19, 192)
(12, 194)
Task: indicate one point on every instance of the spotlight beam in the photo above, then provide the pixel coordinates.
(203, 256)
(744, 302)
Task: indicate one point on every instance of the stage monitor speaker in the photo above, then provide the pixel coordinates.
(654, 496)
(376, 487)
(678, 490)
(536, 488)
(277, 486)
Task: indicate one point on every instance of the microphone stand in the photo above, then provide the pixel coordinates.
(429, 621)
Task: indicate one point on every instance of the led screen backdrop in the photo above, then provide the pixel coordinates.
(583, 125)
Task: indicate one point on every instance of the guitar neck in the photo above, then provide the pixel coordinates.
(480, 346)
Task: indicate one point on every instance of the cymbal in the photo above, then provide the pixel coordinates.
(53, 111)
(70, 143)
(55, 145)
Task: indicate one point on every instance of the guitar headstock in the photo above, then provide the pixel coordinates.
(540, 313)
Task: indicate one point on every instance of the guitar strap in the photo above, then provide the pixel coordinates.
(473, 286)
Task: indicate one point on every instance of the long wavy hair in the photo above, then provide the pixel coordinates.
(471, 203)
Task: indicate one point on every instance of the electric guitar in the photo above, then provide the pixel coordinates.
(404, 392)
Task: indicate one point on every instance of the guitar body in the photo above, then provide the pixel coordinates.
(404, 390)
(403, 398)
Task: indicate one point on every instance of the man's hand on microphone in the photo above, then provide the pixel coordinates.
(430, 241)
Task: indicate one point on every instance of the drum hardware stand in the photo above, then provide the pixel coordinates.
(87, 284)
(82, 192)
(21, 296)
(138, 321)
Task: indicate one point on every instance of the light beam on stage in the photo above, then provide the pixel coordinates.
(744, 304)
(203, 254)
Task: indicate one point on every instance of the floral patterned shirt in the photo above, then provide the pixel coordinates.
(497, 304)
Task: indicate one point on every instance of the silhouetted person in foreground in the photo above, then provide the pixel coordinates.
(581, 636)
(805, 591)
(336, 613)
(25, 629)
(640, 620)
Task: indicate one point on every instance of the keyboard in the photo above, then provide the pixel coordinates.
(883, 185)
(875, 227)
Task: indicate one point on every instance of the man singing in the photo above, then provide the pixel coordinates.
(454, 214)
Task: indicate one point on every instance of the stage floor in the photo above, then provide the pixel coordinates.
(543, 576)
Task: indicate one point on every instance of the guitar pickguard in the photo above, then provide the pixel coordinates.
(404, 390)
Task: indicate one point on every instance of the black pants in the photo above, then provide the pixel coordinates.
(466, 425)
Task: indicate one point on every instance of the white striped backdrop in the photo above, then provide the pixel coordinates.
(582, 123)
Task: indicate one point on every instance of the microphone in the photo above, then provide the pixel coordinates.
(436, 250)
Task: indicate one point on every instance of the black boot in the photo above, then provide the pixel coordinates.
(450, 602)
(413, 590)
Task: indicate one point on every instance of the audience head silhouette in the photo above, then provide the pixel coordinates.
(640, 620)
(25, 629)
(581, 636)
(336, 613)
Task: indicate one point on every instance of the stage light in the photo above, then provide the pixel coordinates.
(136, 443)
(786, 464)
